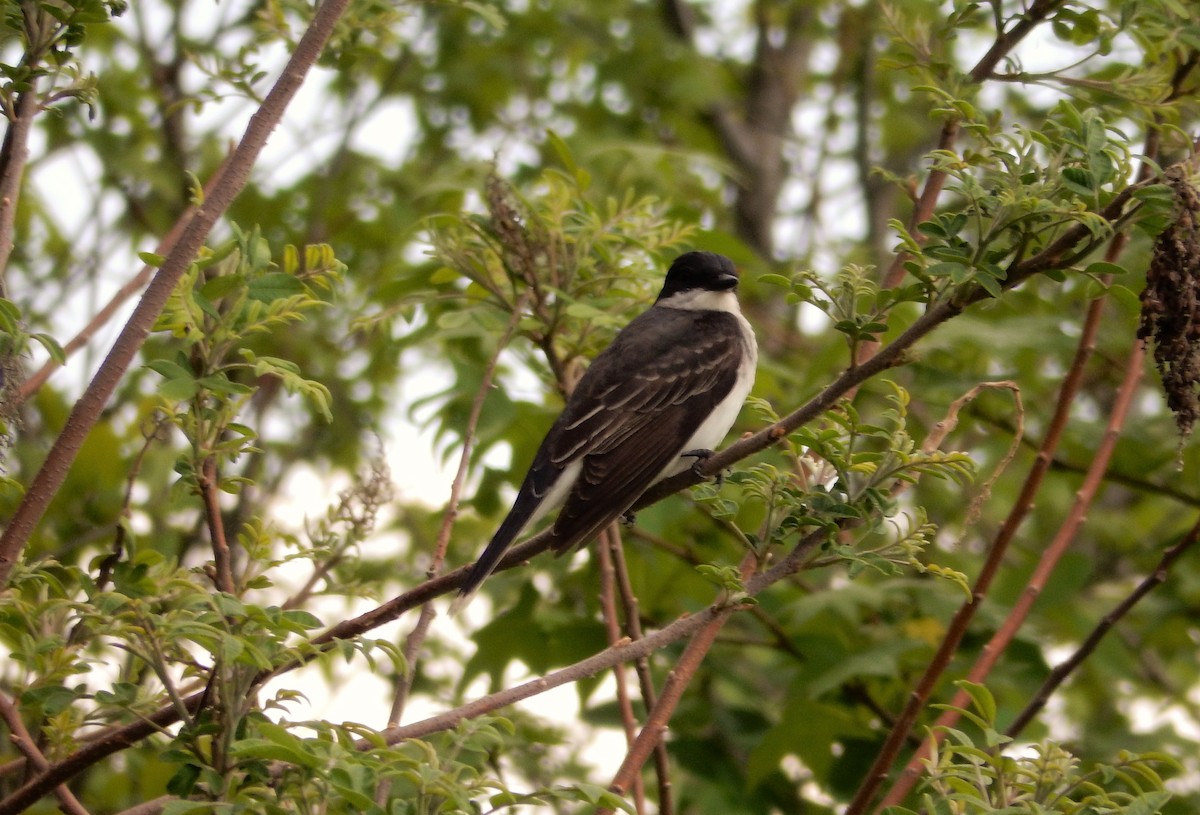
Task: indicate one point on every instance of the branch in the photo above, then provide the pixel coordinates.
(1049, 560)
(13, 157)
(609, 540)
(650, 738)
(957, 628)
(621, 652)
(633, 627)
(222, 558)
(88, 409)
(20, 736)
(656, 725)
(1085, 649)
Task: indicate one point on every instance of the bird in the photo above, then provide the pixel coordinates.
(653, 403)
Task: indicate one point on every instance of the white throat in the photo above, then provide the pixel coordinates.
(702, 300)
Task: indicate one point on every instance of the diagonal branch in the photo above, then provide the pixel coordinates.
(1067, 666)
(650, 737)
(1049, 560)
(24, 741)
(416, 637)
(87, 410)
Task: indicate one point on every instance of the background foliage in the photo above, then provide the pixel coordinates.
(965, 480)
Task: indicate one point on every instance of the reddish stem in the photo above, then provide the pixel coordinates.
(1049, 560)
(87, 410)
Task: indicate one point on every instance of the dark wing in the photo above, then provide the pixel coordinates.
(635, 409)
(638, 403)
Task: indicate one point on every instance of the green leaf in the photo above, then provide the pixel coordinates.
(169, 369)
(1101, 268)
(273, 286)
(179, 390)
(222, 286)
(52, 347)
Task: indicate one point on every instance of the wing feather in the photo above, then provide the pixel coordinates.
(630, 416)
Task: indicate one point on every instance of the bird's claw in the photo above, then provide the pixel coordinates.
(702, 456)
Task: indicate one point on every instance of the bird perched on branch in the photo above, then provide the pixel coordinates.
(652, 404)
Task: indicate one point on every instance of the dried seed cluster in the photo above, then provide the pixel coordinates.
(1171, 305)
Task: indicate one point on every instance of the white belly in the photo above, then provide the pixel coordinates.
(713, 430)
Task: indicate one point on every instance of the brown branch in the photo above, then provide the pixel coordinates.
(87, 410)
(610, 539)
(416, 637)
(20, 736)
(207, 480)
(677, 682)
(656, 725)
(1065, 668)
(14, 155)
(1049, 560)
(957, 628)
(633, 627)
(621, 652)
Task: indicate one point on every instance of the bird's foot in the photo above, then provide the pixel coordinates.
(702, 456)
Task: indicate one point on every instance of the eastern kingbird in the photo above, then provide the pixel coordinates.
(667, 389)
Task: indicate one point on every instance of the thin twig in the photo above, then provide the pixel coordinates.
(31, 385)
(19, 735)
(609, 539)
(1065, 668)
(633, 628)
(14, 155)
(208, 479)
(1058, 546)
(416, 638)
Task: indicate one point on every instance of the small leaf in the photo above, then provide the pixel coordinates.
(1102, 267)
(274, 286)
(52, 347)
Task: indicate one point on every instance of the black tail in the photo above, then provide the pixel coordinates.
(521, 512)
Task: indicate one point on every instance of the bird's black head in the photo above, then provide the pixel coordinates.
(700, 271)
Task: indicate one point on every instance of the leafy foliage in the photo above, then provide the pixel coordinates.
(465, 205)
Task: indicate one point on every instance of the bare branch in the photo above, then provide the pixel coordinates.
(14, 154)
(1065, 668)
(207, 480)
(1049, 560)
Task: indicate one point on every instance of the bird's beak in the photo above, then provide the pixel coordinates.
(726, 282)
